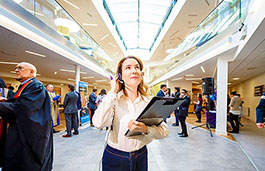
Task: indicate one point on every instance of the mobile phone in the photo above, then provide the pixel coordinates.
(120, 80)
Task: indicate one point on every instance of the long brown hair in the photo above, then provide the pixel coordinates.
(142, 87)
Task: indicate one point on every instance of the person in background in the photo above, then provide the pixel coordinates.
(54, 106)
(260, 112)
(100, 97)
(70, 111)
(119, 109)
(176, 94)
(29, 144)
(198, 107)
(183, 112)
(234, 112)
(92, 104)
(162, 91)
(79, 107)
(10, 93)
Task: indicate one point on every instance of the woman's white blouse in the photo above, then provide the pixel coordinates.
(117, 110)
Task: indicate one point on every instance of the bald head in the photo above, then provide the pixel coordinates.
(24, 71)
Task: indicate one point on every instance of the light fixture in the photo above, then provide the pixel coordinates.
(195, 82)
(202, 69)
(229, 83)
(70, 79)
(67, 70)
(175, 79)
(193, 79)
(17, 1)
(231, 1)
(61, 84)
(189, 75)
(73, 27)
(10, 63)
(115, 53)
(87, 77)
(55, 73)
(71, 4)
(236, 78)
(113, 45)
(34, 53)
(104, 37)
(100, 80)
(87, 24)
(169, 50)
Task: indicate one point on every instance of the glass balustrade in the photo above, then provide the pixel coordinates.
(52, 14)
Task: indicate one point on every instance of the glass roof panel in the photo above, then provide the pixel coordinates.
(138, 22)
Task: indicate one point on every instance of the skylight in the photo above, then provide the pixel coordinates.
(138, 22)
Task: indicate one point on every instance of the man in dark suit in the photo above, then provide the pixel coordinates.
(29, 141)
(70, 111)
(163, 89)
(176, 95)
(92, 105)
(183, 112)
(260, 112)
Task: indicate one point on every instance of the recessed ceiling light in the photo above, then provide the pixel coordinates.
(193, 79)
(115, 53)
(175, 79)
(100, 80)
(71, 4)
(55, 73)
(87, 77)
(202, 69)
(169, 50)
(10, 63)
(189, 75)
(18, 1)
(34, 53)
(104, 37)
(236, 78)
(70, 79)
(113, 45)
(87, 24)
(67, 70)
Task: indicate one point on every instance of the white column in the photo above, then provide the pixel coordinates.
(77, 77)
(221, 107)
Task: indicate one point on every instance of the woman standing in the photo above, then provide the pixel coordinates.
(119, 109)
(198, 107)
(100, 97)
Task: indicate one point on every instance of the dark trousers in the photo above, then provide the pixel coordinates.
(198, 112)
(235, 125)
(71, 121)
(92, 114)
(176, 116)
(116, 160)
(183, 124)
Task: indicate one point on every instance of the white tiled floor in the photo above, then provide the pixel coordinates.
(197, 152)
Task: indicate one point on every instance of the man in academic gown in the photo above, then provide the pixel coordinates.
(29, 144)
(55, 99)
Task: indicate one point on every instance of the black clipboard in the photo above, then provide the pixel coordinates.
(158, 109)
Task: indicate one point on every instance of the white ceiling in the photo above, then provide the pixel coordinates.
(12, 46)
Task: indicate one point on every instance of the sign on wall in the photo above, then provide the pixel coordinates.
(259, 90)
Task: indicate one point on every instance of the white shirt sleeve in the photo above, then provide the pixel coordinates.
(104, 113)
(158, 132)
